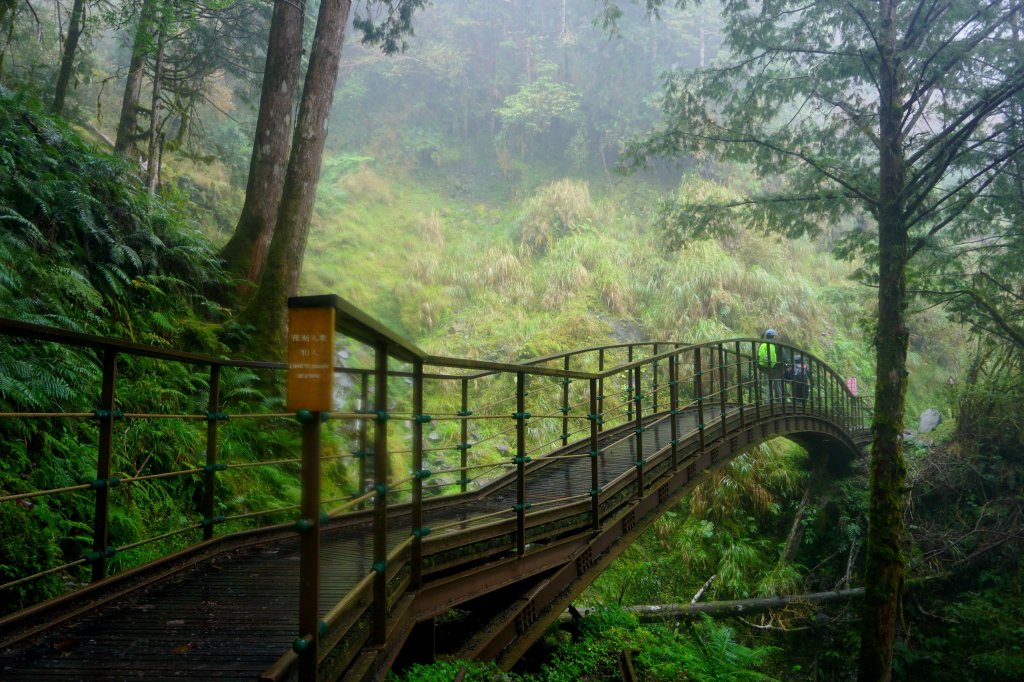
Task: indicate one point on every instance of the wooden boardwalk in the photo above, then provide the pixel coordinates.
(233, 617)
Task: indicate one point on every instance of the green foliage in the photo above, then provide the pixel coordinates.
(557, 210)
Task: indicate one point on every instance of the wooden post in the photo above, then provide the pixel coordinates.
(210, 474)
(638, 429)
(629, 385)
(309, 548)
(464, 435)
(417, 483)
(105, 416)
(520, 418)
(654, 383)
(739, 385)
(600, 389)
(565, 403)
(721, 387)
(673, 398)
(595, 453)
(380, 503)
(698, 389)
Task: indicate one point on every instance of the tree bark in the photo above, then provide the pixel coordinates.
(67, 61)
(280, 279)
(885, 564)
(127, 126)
(245, 253)
(650, 613)
(152, 156)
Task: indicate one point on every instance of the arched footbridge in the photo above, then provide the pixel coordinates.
(425, 486)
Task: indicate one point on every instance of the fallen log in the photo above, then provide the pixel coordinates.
(647, 613)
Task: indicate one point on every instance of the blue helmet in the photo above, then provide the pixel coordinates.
(770, 334)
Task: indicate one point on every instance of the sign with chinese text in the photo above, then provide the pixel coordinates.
(851, 384)
(310, 359)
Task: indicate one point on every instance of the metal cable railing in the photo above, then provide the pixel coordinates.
(375, 437)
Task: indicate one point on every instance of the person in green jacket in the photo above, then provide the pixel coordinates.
(769, 361)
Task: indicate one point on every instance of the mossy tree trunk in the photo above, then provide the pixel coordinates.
(280, 279)
(128, 124)
(67, 62)
(246, 252)
(885, 564)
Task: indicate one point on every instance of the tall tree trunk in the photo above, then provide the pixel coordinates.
(280, 278)
(885, 564)
(152, 155)
(246, 252)
(127, 126)
(67, 61)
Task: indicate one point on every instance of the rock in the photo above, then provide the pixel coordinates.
(930, 418)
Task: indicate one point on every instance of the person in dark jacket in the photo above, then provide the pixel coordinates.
(798, 376)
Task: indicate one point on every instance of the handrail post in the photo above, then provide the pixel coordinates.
(600, 389)
(210, 475)
(629, 384)
(380, 503)
(565, 403)
(638, 428)
(595, 474)
(364, 442)
(721, 387)
(698, 389)
(309, 547)
(654, 384)
(100, 533)
(673, 398)
(520, 418)
(739, 385)
(416, 558)
(757, 380)
(464, 437)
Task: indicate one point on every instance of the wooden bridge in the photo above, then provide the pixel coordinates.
(497, 489)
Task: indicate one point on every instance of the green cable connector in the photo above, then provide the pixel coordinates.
(98, 483)
(360, 454)
(463, 446)
(210, 468)
(107, 414)
(700, 425)
(595, 417)
(596, 453)
(208, 522)
(463, 481)
(420, 532)
(639, 398)
(640, 463)
(521, 415)
(381, 489)
(300, 645)
(700, 399)
(380, 566)
(521, 460)
(217, 416)
(565, 410)
(324, 517)
(304, 416)
(382, 415)
(422, 418)
(639, 430)
(113, 482)
(675, 441)
(673, 383)
(566, 382)
(465, 413)
(594, 492)
(325, 416)
(321, 628)
(521, 507)
(93, 557)
(303, 526)
(422, 473)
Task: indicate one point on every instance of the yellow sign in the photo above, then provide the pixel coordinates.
(310, 359)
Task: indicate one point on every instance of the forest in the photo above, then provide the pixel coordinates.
(507, 179)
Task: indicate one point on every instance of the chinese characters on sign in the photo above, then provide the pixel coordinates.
(310, 359)
(851, 384)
